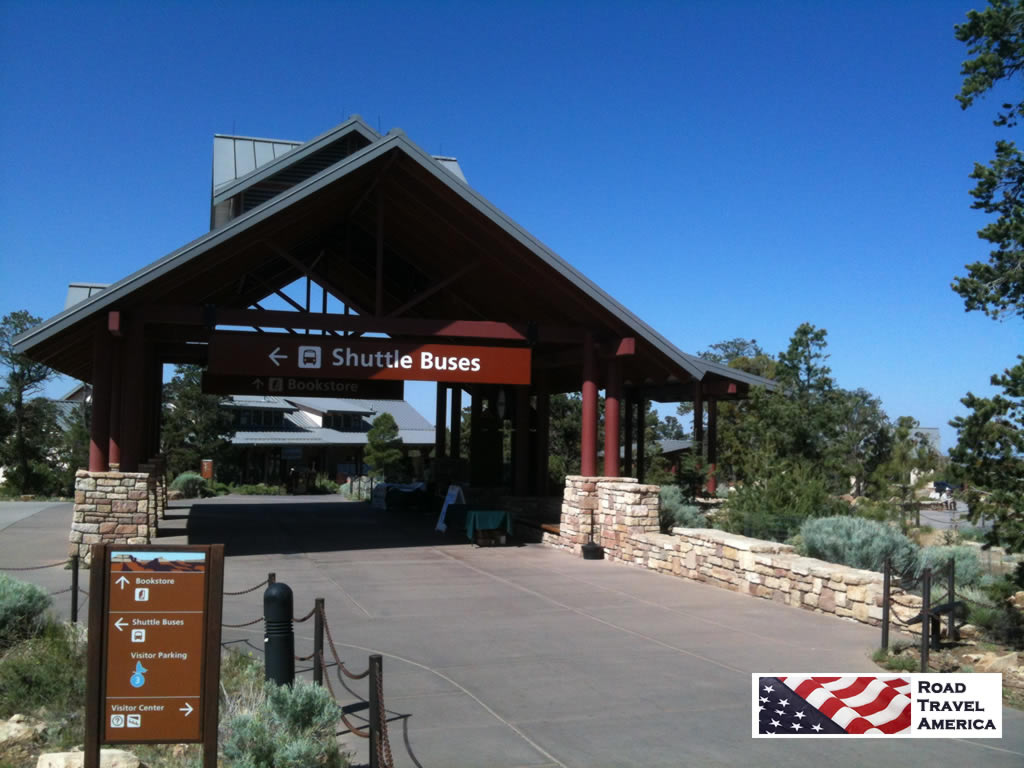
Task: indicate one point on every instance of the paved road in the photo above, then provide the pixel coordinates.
(525, 656)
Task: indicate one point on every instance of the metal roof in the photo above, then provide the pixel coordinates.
(322, 405)
(546, 286)
(302, 151)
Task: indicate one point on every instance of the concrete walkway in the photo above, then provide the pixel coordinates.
(526, 656)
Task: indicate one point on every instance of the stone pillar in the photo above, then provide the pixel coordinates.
(617, 507)
(110, 508)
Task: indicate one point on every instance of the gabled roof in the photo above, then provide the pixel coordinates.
(441, 229)
(301, 152)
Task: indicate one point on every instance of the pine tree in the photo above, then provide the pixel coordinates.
(384, 448)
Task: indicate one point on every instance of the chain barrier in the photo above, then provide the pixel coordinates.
(330, 690)
(250, 589)
(307, 617)
(334, 652)
(383, 744)
(37, 567)
(246, 624)
(353, 729)
(62, 592)
(305, 658)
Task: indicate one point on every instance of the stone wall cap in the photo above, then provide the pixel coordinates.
(735, 541)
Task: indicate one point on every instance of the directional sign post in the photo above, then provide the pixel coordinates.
(154, 646)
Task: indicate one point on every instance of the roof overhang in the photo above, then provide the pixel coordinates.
(448, 253)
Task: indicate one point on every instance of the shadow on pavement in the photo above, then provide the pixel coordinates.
(288, 528)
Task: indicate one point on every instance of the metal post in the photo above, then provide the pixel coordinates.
(886, 575)
(951, 598)
(926, 616)
(376, 722)
(279, 635)
(318, 642)
(74, 588)
(271, 578)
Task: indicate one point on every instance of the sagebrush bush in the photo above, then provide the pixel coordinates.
(858, 543)
(23, 609)
(285, 727)
(674, 511)
(967, 564)
(192, 485)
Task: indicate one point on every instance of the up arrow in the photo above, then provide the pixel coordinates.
(187, 709)
(122, 581)
(120, 624)
(275, 356)
(258, 383)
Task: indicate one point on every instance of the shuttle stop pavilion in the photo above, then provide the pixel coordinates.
(409, 274)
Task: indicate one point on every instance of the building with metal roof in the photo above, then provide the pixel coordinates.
(420, 261)
(276, 435)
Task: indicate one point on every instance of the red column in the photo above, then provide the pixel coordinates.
(588, 429)
(628, 465)
(612, 398)
(456, 425)
(521, 458)
(641, 437)
(439, 419)
(99, 431)
(116, 390)
(712, 445)
(541, 446)
(133, 399)
(698, 425)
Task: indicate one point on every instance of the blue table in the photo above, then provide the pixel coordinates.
(487, 520)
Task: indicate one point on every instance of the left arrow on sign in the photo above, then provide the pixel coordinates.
(276, 355)
(120, 624)
(122, 581)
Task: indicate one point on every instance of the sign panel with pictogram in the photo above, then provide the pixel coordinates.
(313, 357)
(154, 642)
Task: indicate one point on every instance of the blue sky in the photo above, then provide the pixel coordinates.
(722, 168)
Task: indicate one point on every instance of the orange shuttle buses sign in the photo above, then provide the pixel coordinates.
(338, 357)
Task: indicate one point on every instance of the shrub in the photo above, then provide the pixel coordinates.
(191, 485)
(324, 485)
(674, 511)
(259, 489)
(858, 543)
(285, 727)
(776, 506)
(22, 610)
(47, 672)
(968, 567)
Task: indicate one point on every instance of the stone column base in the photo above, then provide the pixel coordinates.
(110, 508)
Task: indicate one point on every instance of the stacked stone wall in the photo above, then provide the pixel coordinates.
(626, 524)
(110, 508)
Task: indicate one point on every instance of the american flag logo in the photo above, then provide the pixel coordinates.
(809, 706)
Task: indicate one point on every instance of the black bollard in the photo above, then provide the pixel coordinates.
(74, 589)
(886, 576)
(278, 637)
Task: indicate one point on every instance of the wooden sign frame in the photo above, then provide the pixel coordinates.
(100, 584)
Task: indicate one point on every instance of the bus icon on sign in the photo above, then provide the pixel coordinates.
(309, 357)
